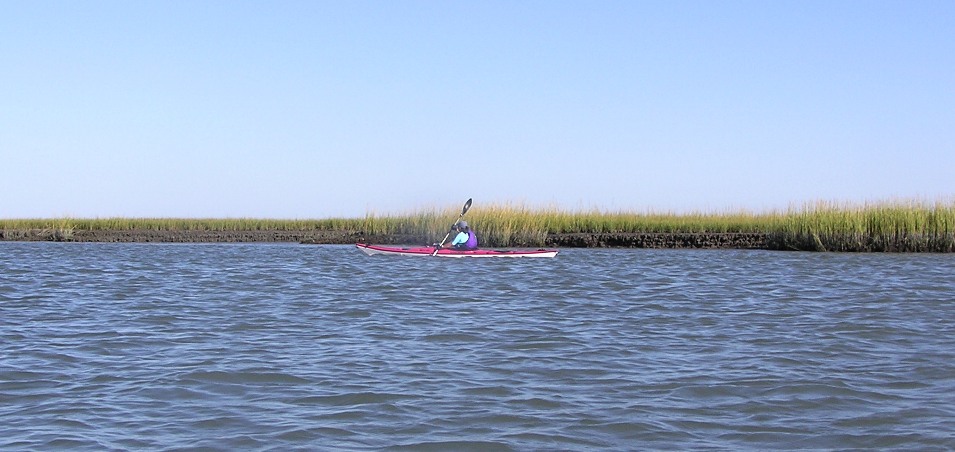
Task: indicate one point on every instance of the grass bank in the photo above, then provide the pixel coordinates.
(916, 226)
(898, 226)
(906, 226)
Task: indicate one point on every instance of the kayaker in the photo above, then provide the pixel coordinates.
(466, 238)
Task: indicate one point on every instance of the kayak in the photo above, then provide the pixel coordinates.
(373, 250)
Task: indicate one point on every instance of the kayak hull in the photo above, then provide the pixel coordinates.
(374, 250)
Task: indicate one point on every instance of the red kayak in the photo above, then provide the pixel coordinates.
(373, 250)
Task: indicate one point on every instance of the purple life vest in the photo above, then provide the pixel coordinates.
(472, 241)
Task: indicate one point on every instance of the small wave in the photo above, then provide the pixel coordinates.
(352, 399)
(276, 378)
(453, 337)
(480, 446)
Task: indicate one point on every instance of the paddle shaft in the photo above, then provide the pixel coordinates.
(464, 210)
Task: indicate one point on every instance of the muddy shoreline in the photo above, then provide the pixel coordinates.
(577, 240)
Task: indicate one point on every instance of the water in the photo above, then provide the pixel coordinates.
(283, 347)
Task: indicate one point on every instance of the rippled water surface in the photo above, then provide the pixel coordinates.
(155, 346)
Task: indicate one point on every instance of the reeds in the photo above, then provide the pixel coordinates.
(176, 224)
(902, 226)
(822, 226)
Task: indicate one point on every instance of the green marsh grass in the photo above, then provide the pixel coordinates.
(905, 226)
(820, 226)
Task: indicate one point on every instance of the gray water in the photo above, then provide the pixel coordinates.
(254, 346)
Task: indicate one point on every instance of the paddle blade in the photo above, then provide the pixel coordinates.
(467, 206)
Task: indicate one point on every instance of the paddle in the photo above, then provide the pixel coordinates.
(464, 210)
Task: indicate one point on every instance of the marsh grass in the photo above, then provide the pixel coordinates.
(905, 226)
(820, 226)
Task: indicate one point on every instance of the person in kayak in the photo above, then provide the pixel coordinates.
(466, 238)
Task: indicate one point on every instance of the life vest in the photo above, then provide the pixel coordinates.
(472, 241)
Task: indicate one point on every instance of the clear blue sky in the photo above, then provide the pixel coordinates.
(315, 109)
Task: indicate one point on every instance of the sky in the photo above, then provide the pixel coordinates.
(323, 109)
